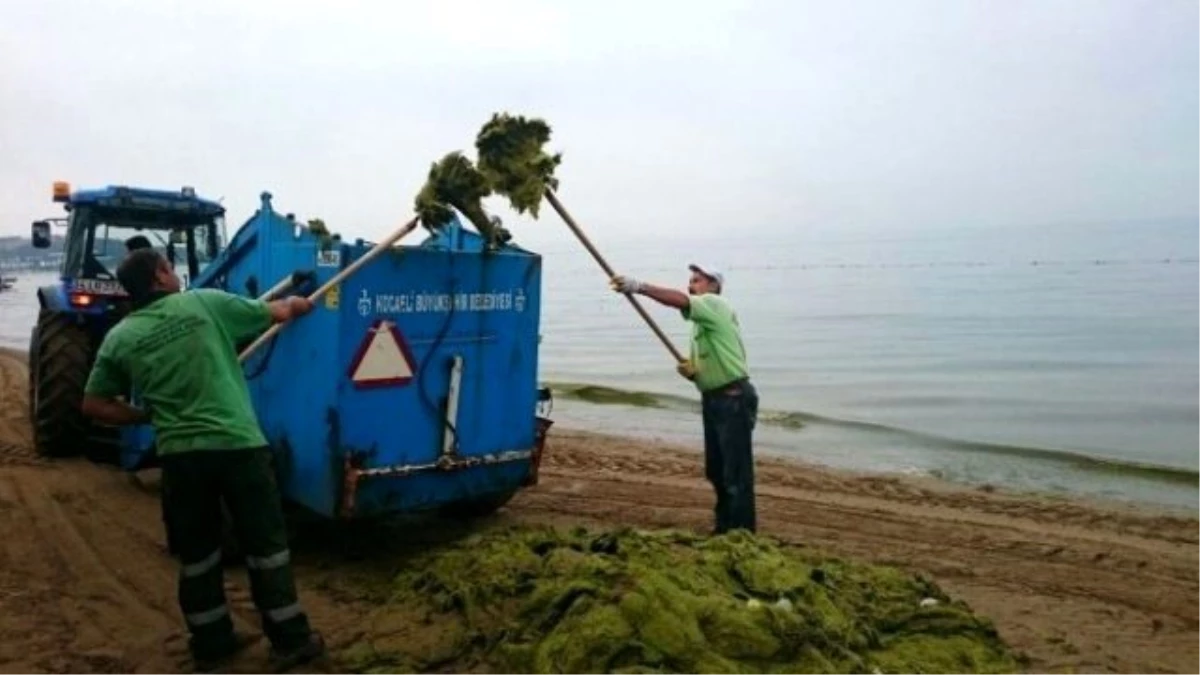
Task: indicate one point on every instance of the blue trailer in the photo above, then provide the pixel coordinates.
(411, 387)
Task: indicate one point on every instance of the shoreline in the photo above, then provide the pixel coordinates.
(1075, 585)
(862, 447)
(923, 482)
(688, 441)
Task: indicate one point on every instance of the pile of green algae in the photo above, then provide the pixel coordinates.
(540, 600)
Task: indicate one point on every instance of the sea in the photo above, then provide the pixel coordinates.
(1060, 359)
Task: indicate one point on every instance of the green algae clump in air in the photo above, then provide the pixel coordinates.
(511, 163)
(453, 181)
(512, 159)
(545, 601)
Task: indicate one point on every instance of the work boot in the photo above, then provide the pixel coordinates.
(207, 659)
(282, 660)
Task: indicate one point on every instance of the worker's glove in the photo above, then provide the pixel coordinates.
(686, 369)
(627, 285)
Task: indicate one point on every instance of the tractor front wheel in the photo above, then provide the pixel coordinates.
(58, 370)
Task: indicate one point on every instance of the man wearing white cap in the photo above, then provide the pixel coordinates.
(717, 366)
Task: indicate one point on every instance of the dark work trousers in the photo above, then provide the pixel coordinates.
(730, 414)
(194, 483)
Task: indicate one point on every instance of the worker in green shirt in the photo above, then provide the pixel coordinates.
(729, 402)
(178, 351)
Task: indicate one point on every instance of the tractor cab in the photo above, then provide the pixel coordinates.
(101, 228)
(104, 226)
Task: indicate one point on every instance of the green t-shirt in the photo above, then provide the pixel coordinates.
(179, 352)
(717, 351)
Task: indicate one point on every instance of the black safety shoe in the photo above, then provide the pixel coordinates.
(208, 659)
(281, 660)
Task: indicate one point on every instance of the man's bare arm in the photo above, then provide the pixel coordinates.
(289, 308)
(113, 411)
(667, 296)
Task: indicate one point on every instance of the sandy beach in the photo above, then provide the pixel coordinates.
(86, 584)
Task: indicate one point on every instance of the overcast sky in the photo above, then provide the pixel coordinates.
(674, 117)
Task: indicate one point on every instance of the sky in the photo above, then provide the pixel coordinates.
(677, 120)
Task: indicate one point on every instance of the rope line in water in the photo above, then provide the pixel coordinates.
(1120, 262)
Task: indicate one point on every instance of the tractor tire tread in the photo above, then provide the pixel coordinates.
(61, 368)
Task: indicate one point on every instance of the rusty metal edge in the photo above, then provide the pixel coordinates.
(353, 475)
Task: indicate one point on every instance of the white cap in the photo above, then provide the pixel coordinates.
(710, 272)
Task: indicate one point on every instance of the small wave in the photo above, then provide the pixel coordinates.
(1079, 460)
(595, 393)
(605, 395)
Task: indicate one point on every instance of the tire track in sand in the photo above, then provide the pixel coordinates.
(86, 584)
(16, 439)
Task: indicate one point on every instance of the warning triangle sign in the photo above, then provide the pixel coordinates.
(383, 359)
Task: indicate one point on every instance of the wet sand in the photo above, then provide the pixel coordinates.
(86, 584)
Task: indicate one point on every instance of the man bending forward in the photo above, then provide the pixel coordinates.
(178, 350)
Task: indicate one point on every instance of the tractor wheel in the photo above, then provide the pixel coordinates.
(31, 392)
(58, 370)
(479, 507)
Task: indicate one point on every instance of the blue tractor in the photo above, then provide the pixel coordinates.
(102, 226)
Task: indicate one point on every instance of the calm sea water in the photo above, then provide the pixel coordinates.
(1061, 359)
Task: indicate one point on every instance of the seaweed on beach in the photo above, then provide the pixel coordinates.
(540, 600)
(599, 394)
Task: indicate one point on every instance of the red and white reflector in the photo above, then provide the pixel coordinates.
(383, 359)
